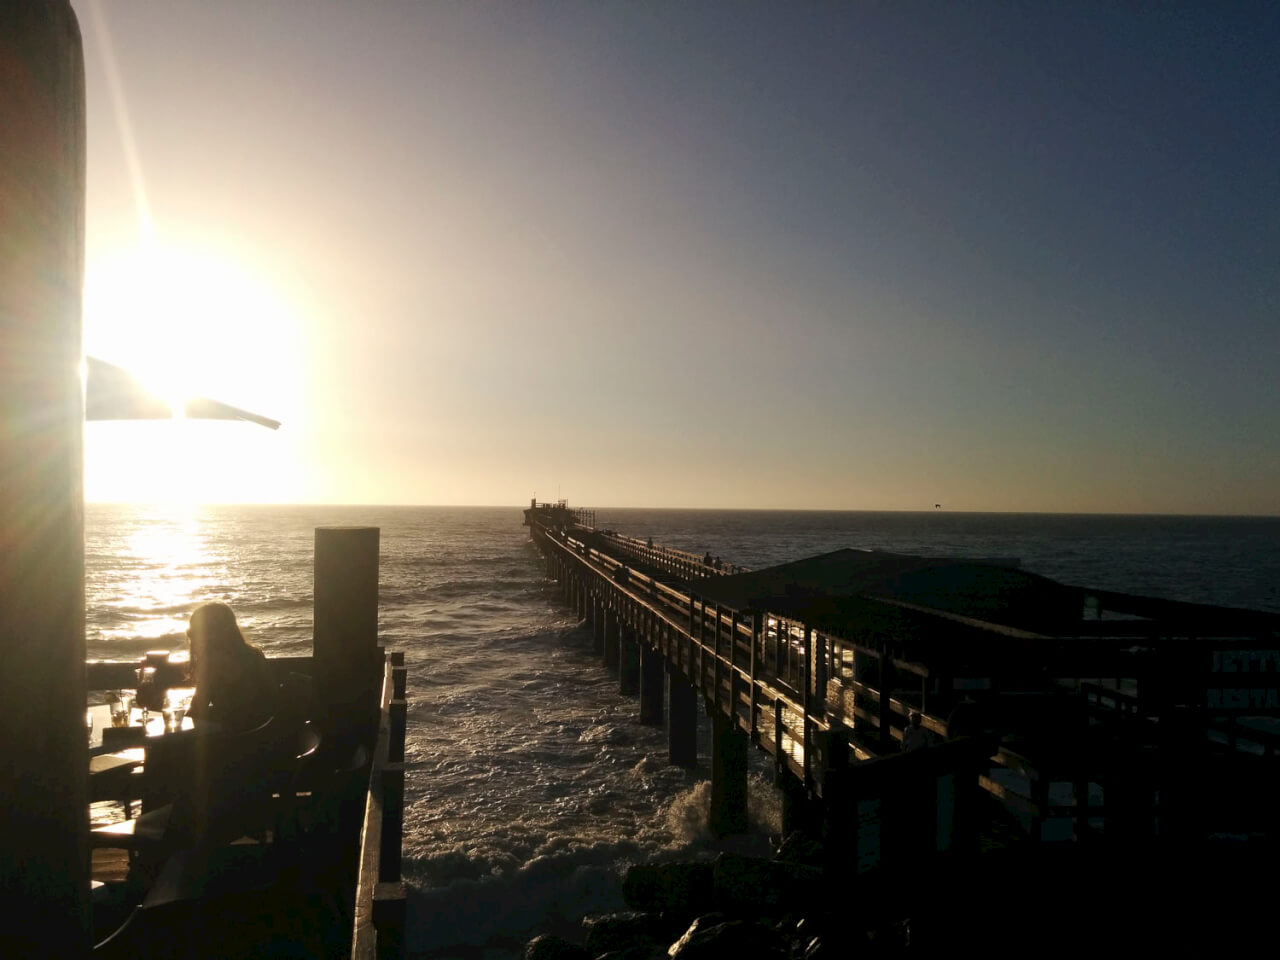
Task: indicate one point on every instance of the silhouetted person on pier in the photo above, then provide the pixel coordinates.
(234, 687)
(915, 736)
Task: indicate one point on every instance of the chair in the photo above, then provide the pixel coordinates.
(215, 898)
(205, 790)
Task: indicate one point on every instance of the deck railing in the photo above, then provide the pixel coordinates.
(380, 893)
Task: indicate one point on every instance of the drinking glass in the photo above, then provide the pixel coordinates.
(175, 708)
(121, 705)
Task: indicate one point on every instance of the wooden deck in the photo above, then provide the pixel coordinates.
(336, 893)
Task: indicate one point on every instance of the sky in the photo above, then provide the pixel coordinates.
(998, 257)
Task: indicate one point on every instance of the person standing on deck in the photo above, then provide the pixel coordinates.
(915, 736)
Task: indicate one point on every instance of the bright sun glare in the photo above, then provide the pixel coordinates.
(188, 322)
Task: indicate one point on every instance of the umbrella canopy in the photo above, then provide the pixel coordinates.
(113, 393)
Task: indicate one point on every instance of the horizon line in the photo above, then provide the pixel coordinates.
(685, 509)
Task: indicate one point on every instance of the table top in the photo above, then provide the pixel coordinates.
(107, 762)
(153, 727)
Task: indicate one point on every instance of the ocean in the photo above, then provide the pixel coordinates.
(531, 786)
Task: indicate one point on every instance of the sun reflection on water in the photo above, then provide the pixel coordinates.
(164, 567)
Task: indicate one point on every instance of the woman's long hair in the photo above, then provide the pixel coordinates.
(216, 640)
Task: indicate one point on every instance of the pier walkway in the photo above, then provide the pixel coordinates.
(1081, 714)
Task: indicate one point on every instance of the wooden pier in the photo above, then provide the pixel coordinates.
(1081, 715)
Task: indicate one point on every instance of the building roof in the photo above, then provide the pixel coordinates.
(992, 590)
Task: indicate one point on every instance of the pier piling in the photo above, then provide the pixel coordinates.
(682, 721)
(629, 663)
(612, 638)
(652, 681)
(728, 813)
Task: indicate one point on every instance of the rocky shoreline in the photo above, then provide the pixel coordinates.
(1048, 899)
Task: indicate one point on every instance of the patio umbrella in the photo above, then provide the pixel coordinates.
(113, 393)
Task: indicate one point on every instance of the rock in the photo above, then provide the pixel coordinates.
(684, 888)
(551, 947)
(622, 931)
(752, 883)
(800, 849)
(735, 939)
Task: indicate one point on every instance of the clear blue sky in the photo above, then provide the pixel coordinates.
(867, 256)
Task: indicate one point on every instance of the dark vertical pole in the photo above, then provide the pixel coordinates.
(715, 658)
(780, 757)
(44, 863)
(807, 700)
(629, 663)
(597, 626)
(652, 683)
(612, 637)
(885, 711)
(347, 662)
(757, 618)
(795, 801)
(693, 626)
(733, 665)
(700, 676)
(728, 813)
(1039, 789)
(682, 721)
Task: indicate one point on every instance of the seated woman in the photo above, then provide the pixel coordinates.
(235, 690)
(210, 785)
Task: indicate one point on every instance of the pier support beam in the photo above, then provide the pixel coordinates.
(597, 626)
(652, 684)
(611, 639)
(629, 663)
(798, 811)
(682, 721)
(44, 777)
(728, 813)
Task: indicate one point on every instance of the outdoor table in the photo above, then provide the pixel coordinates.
(106, 738)
(118, 754)
(111, 777)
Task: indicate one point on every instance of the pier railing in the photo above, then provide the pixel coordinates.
(677, 563)
(380, 892)
(813, 697)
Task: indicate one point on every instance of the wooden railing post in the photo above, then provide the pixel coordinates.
(693, 620)
(807, 700)
(757, 619)
(348, 662)
(734, 623)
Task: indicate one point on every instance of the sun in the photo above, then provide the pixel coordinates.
(189, 322)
